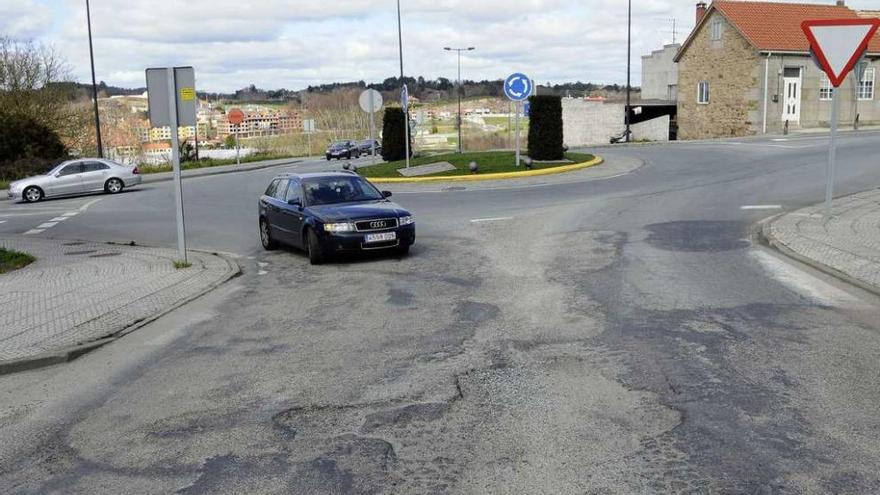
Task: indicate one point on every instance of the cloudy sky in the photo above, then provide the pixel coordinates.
(295, 43)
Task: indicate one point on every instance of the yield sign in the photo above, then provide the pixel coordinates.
(839, 43)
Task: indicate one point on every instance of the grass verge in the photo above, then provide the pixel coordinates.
(4, 185)
(489, 163)
(13, 260)
(180, 265)
(210, 162)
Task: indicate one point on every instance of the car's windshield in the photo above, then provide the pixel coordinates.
(340, 144)
(54, 169)
(331, 190)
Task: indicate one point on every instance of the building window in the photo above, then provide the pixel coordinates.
(825, 89)
(703, 92)
(715, 30)
(866, 85)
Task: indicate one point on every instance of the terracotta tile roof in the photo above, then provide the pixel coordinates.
(776, 26)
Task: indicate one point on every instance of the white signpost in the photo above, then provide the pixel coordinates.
(837, 45)
(309, 127)
(404, 102)
(371, 102)
(172, 103)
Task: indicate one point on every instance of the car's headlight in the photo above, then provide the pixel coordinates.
(407, 220)
(339, 227)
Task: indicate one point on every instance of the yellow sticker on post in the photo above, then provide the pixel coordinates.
(187, 94)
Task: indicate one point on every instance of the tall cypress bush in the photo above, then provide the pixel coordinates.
(393, 132)
(545, 128)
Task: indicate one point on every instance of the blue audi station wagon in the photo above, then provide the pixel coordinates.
(330, 213)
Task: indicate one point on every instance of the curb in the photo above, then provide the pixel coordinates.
(764, 235)
(499, 176)
(208, 172)
(69, 354)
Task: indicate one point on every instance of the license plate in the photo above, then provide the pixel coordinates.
(384, 237)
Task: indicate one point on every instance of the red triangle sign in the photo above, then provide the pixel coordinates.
(839, 43)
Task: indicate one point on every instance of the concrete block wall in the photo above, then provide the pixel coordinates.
(589, 123)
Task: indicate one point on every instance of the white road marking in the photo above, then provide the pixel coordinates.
(761, 207)
(59, 219)
(780, 139)
(484, 220)
(33, 231)
(71, 214)
(262, 272)
(803, 283)
(90, 203)
(47, 225)
(2, 221)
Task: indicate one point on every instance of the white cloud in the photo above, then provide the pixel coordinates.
(24, 18)
(292, 44)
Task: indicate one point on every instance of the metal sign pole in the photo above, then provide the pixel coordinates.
(517, 135)
(832, 153)
(309, 138)
(406, 138)
(175, 163)
(372, 128)
(237, 148)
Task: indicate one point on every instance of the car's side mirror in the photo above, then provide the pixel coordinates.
(295, 202)
(387, 194)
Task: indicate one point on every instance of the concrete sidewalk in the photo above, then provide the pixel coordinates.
(848, 246)
(223, 169)
(79, 294)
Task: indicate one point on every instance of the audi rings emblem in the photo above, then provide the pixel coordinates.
(380, 224)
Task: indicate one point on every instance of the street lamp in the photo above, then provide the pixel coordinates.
(460, 89)
(403, 83)
(628, 66)
(94, 83)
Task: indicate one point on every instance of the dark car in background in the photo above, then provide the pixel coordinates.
(330, 213)
(343, 149)
(366, 147)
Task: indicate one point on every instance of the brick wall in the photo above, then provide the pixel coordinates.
(731, 67)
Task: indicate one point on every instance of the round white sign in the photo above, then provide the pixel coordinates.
(371, 101)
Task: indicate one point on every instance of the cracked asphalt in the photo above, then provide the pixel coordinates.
(606, 333)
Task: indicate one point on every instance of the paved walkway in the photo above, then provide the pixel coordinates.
(79, 292)
(222, 169)
(848, 245)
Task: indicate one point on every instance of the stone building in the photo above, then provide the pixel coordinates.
(746, 69)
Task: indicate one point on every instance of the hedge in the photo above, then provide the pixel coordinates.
(545, 128)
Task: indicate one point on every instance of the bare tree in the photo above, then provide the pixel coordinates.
(34, 83)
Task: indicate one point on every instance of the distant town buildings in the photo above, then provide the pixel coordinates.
(261, 122)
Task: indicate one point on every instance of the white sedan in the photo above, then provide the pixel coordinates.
(83, 176)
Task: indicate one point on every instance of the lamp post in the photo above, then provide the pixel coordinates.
(94, 83)
(460, 90)
(402, 83)
(628, 65)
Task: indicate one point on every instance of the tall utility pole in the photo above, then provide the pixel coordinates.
(402, 83)
(94, 83)
(460, 90)
(628, 65)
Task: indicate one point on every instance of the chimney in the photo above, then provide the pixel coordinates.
(841, 3)
(701, 11)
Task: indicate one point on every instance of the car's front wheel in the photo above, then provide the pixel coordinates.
(114, 186)
(32, 194)
(269, 244)
(316, 253)
(403, 250)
